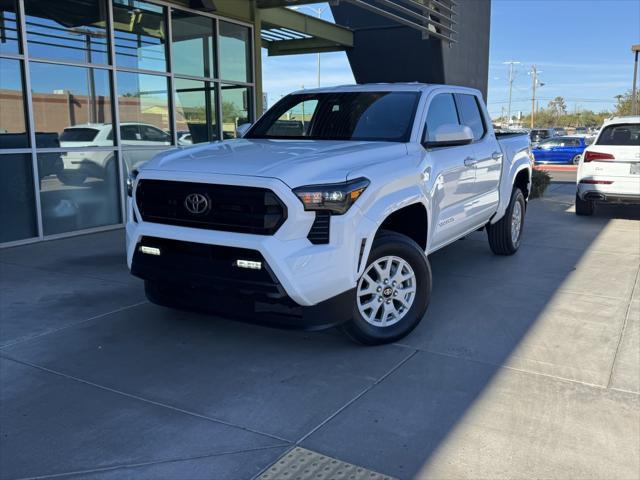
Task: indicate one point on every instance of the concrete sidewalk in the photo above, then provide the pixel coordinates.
(524, 367)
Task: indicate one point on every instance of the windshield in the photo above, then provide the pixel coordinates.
(78, 135)
(373, 116)
(627, 135)
(539, 134)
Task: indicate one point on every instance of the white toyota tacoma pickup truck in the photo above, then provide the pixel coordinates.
(325, 212)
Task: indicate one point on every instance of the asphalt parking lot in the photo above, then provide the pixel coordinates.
(525, 366)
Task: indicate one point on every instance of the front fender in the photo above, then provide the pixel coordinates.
(379, 210)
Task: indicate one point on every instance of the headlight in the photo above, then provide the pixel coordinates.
(130, 181)
(335, 197)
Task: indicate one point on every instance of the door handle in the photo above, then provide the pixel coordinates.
(470, 162)
(496, 155)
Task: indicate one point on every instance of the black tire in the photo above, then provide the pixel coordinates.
(501, 241)
(394, 244)
(584, 207)
(576, 159)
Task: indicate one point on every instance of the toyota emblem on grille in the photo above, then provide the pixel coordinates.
(197, 203)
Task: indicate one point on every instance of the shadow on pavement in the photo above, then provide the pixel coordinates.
(510, 374)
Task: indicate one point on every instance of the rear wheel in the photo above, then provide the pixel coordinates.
(576, 160)
(393, 293)
(583, 207)
(505, 234)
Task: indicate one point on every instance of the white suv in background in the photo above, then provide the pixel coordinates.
(80, 164)
(609, 170)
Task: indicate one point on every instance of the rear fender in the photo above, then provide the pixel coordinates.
(521, 161)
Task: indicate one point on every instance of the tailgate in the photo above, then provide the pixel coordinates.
(625, 161)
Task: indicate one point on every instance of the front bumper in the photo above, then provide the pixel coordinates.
(206, 277)
(305, 273)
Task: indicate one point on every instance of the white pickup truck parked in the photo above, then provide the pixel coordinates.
(328, 207)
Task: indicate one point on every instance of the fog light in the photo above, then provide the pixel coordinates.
(249, 264)
(150, 250)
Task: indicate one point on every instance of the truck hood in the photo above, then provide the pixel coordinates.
(295, 162)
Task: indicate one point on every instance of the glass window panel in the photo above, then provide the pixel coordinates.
(17, 200)
(195, 111)
(234, 52)
(9, 33)
(65, 97)
(13, 130)
(69, 30)
(140, 35)
(193, 44)
(442, 111)
(236, 105)
(81, 192)
(143, 102)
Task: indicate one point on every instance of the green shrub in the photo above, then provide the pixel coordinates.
(540, 181)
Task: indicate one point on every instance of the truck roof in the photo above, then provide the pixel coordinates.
(384, 87)
(623, 119)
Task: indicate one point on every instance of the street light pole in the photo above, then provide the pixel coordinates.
(634, 90)
(511, 64)
(318, 12)
(534, 79)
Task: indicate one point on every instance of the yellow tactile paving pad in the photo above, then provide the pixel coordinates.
(303, 464)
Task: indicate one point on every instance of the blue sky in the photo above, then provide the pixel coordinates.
(582, 47)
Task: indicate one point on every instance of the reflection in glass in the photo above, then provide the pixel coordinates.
(135, 158)
(13, 130)
(144, 109)
(193, 44)
(69, 30)
(235, 109)
(140, 35)
(65, 97)
(195, 111)
(17, 200)
(9, 27)
(82, 194)
(234, 52)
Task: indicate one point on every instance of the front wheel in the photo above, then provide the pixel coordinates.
(505, 234)
(393, 293)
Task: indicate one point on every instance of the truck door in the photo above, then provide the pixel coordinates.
(488, 157)
(452, 174)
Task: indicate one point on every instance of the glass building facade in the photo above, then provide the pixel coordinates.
(89, 89)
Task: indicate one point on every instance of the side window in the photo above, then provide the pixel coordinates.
(152, 134)
(130, 132)
(470, 114)
(442, 110)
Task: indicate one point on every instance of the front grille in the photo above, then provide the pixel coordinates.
(319, 233)
(189, 263)
(231, 208)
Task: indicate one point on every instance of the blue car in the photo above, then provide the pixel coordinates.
(561, 150)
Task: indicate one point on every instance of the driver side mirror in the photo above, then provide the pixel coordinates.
(241, 130)
(448, 135)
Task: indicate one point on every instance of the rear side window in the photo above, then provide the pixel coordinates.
(470, 114)
(623, 135)
(442, 110)
(78, 135)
